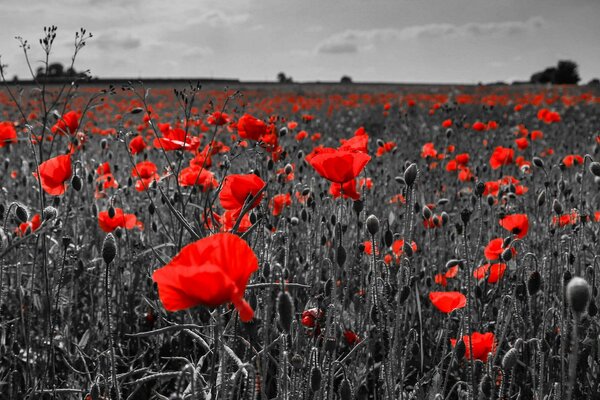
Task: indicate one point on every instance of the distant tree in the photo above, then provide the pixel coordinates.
(282, 78)
(545, 76)
(346, 79)
(566, 73)
(594, 82)
(57, 70)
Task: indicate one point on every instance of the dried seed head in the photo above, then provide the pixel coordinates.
(410, 174)
(465, 216)
(510, 359)
(404, 293)
(109, 248)
(358, 206)
(388, 238)
(372, 224)
(111, 212)
(285, 309)
(49, 213)
(297, 361)
(578, 294)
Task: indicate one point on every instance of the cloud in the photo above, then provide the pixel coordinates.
(117, 40)
(353, 41)
(217, 18)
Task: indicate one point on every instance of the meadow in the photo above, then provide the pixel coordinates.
(299, 242)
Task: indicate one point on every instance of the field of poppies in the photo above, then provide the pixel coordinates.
(299, 242)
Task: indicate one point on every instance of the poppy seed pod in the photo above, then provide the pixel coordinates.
(410, 174)
(595, 168)
(109, 248)
(510, 359)
(21, 213)
(372, 224)
(285, 309)
(578, 294)
(283, 131)
(297, 361)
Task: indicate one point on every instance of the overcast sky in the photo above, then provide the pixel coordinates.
(370, 40)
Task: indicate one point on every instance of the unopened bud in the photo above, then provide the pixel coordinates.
(372, 224)
(109, 248)
(578, 294)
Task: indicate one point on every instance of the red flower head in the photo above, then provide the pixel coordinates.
(447, 302)
(355, 143)
(54, 173)
(8, 134)
(209, 272)
(517, 224)
(501, 156)
(339, 166)
(479, 126)
(68, 124)
(495, 271)
(137, 145)
(146, 172)
(572, 159)
(250, 127)
(311, 317)
(349, 190)
(522, 143)
(218, 118)
(494, 248)
(30, 226)
(279, 201)
(351, 337)
(482, 343)
(237, 188)
(191, 176)
(126, 221)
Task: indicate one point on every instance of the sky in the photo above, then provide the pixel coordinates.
(421, 41)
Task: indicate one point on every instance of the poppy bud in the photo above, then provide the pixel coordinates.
(445, 217)
(460, 349)
(534, 282)
(330, 344)
(566, 277)
(109, 248)
(541, 198)
(294, 221)
(285, 308)
(372, 224)
(315, 379)
(49, 213)
(557, 207)
(283, 131)
(111, 212)
(506, 255)
(154, 226)
(151, 208)
(345, 390)
(578, 294)
(407, 249)
(595, 168)
(592, 309)
(380, 143)
(490, 200)
(404, 293)
(341, 256)
(465, 216)
(538, 162)
(388, 238)
(95, 392)
(297, 361)
(103, 144)
(449, 132)
(426, 212)
(21, 213)
(76, 182)
(410, 174)
(400, 180)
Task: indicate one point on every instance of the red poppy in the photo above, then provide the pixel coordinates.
(300, 136)
(428, 150)
(482, 343)
(351, 337)
(522, 143)
(193, 176)
(571, 218)
(447, 302)
(54, 173)
(501, 156)
(572, 159)
(536, 135)
(250, 127)
(120, 219)
(517, 224)
(137, 145)
(146, 172)
(479, 126)
(68, 124)
(209, 272)
(398, 247)
(349, 190)
(356, 143)
(447, 123)
(386, 148)
(176, 139)
(8, 134)
(495, 271)
(311, 317)
(218, 118)
(30, 226)
(237, 188)
(339, 166)
(278, 202)
(228, 221)
(494, 248)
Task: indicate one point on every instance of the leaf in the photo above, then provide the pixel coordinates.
(84, 339)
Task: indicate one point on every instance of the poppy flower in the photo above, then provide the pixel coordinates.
(146, 172)
(494, 272)
(447, 123)
(251, 128)
(517, 224)
(339, 166)
(398, 247)
(351, 337)
(228, 221)
(30, 226)
(522, 143)
(536, 135)
(501, 156)
(300, 136)
(54, 173)
(495, 248)
(356, 143)
(311, 317)
(68, 124)
(209, 272)
(572, 160)
(176, 139)
(120, 219)
(479, 126)
(8, 134)
(386, 148)
(348, 189)
(137, 145)
(571, 218)
(278, 202)
(447, 302)
(237, 188)
(194, 176)
(428, 150)
(482, 344)
(218, 118)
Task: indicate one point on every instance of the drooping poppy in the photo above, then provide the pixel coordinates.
(119, 220)
(339, 166)
(137, 145)
(8, 134)
(501, 156)
(517, 224)
(54, 173)
(495, 248)
(494, 272)
(482, 344)
(237, 188)
(447, 302)
(30, 226)
(67, 124)
(211, 271)
(250, 127)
